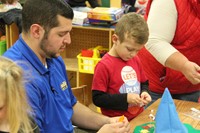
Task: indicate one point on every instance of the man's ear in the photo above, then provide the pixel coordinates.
(36, 31)
(115, 38)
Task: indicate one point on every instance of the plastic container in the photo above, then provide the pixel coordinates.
(105, 3)
(87, 53)
(87, 64)
(2, 47)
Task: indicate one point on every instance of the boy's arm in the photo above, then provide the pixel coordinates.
(144, 86)
(110, 101)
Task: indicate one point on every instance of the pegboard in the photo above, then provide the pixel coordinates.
(84, 38)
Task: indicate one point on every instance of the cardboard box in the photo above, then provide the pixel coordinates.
(105, 13)
(80, 18)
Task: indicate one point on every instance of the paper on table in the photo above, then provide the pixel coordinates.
(193, 113)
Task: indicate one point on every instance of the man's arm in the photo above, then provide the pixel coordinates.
(86, 118)
(34, 101)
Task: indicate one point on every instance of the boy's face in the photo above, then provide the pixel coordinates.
(127, 49)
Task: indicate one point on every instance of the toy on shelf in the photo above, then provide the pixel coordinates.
(2, 44)
(88, 58)
(104, 15)
(80, 18)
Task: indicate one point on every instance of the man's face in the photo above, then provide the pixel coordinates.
(57, 38)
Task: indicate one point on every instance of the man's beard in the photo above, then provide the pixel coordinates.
(43, 46)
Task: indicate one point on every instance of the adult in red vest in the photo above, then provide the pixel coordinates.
(171, 57)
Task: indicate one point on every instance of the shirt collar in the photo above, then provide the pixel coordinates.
(31, 57)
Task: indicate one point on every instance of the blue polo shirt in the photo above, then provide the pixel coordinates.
(48, 89)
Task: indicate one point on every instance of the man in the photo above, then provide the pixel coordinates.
(45, 33)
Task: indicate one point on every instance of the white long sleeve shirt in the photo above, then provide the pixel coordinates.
(162, 21)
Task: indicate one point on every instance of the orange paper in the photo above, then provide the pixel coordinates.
(121, 118)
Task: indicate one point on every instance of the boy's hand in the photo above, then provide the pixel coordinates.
(134, 99)
(146, 98)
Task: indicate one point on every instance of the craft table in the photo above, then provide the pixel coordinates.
(182, 107)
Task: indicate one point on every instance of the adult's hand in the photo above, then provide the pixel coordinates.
(116, 126)
(192, 72)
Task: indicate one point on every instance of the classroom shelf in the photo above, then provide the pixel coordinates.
(87, 37)
(84, 37)
(12, 34)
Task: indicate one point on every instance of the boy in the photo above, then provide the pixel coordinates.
(119, 84)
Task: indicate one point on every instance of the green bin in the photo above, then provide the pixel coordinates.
(105, 3)
(2, 47)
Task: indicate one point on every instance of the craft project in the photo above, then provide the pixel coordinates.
(166, 120)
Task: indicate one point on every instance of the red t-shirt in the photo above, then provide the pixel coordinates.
(114, 76)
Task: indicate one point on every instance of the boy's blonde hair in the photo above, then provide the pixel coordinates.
(12, 86)
(132, 25)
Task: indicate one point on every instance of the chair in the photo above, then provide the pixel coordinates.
(80, 93)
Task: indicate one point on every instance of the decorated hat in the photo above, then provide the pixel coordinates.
(167, 120)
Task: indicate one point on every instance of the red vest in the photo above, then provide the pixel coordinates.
(186, 40)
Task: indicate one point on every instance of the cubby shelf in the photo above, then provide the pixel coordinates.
(84, 37)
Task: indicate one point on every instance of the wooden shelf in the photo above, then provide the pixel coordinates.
(71, 64)
(12, 34)
(84, 37)
(93, 28)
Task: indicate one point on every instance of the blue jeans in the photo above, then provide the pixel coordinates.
(194, 96)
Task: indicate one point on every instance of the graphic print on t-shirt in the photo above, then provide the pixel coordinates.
(131, 85)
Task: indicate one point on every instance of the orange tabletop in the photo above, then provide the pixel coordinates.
(183, 108)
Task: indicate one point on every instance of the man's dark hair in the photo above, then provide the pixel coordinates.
(44, 13)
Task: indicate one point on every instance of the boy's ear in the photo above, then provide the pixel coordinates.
(36, 31)
(115, 38)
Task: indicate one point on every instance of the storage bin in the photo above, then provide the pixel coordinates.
(105, 3)
(2, 47)
(87, 64)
